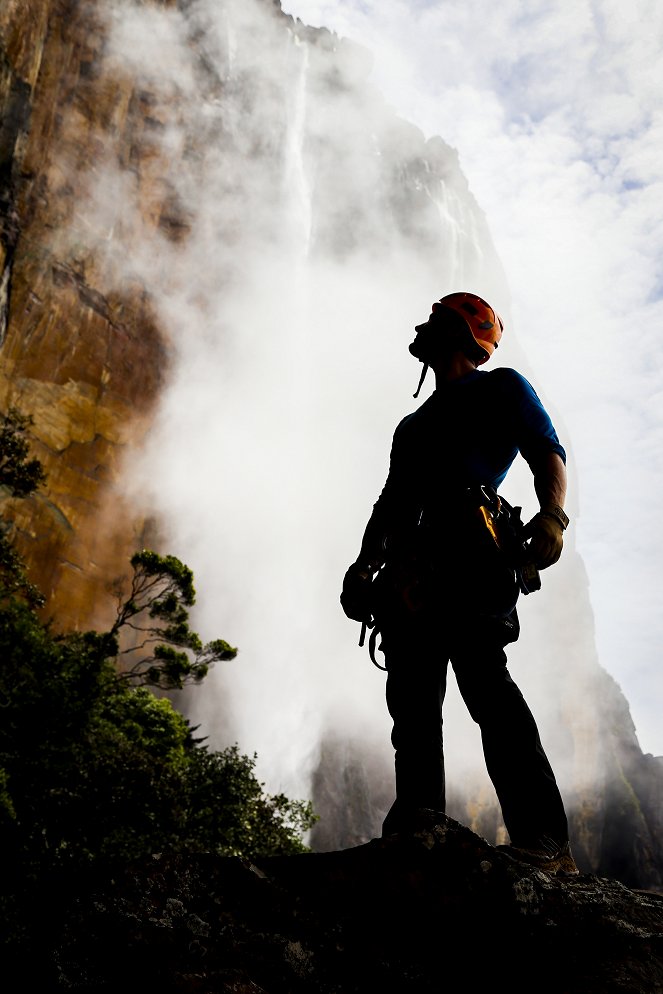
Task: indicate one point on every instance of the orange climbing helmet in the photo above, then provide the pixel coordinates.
(484, 322)
(477, 316)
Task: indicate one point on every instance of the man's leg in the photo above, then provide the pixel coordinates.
(532, 806)
(416, 685)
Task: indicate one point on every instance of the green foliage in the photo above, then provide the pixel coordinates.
(226, 802)
(19, 477)
(14, 580)
(164, 650)
(93, 765)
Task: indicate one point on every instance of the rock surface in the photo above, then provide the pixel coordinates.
(85, 362)
(434, 910)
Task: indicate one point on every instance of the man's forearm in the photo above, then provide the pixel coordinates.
(371, 554)
(547, 526)
(550, 481)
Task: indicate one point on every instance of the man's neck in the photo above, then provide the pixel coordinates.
(452, 367)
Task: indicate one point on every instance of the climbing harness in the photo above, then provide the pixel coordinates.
(406, 584)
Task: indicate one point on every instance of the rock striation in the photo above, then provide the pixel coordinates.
(85, 362)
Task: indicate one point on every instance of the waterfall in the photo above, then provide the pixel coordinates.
(295, 178)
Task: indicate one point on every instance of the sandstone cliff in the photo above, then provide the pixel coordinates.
(85, 363)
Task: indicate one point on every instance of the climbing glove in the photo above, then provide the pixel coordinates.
(356, 593)
(546, 534)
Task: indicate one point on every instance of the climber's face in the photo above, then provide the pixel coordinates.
(437, 338)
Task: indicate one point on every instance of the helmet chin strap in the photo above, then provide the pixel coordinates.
(423, 377)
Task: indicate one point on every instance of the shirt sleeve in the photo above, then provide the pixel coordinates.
(536, 434)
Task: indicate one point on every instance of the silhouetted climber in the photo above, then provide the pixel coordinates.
(441, 566)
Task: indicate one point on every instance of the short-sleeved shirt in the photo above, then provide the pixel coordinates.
(468, 432)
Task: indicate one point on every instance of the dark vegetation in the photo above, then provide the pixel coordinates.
(96, 763)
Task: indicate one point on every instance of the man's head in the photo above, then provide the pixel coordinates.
(459, 322)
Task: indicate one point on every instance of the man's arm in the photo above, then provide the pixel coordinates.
(355, 595)
(550, 481)
(546, 528)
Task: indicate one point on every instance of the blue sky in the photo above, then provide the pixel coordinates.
(557, 115)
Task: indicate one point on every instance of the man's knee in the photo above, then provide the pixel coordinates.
(486, 685)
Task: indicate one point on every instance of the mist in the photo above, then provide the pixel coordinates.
(291, 230)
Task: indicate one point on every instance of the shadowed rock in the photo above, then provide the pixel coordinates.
(411, 913)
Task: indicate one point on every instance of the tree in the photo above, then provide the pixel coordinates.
(19, 475)
(92, 764)
(165, 651)
(93, 767)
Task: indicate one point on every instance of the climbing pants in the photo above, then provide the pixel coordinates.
(417, 650)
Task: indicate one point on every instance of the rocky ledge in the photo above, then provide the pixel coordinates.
(430, 911)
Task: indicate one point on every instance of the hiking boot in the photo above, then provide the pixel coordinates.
(559, 863)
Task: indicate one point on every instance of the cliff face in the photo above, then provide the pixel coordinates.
(117, 273)
(85, 362)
